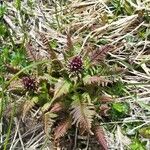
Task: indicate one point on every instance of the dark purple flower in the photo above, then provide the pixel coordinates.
(29, 83)
(76, 64)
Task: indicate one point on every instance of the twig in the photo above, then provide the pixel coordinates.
(75, 139)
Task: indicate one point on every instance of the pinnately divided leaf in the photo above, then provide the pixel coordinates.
(96, 80)
(61, 129)
(61, 88)
(48, 48)
(31, 53)
(100, 54)
(53, 109)
(82, 115)
(57, 107)
(26, 108)
(69, 42)
(105, 99)
(100, 135)
(49, 119)
(28, 105)
(104, 108)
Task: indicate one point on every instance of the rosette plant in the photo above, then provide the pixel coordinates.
(71, 91)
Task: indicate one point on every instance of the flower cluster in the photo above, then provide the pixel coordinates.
(76, 65)
(29, 83)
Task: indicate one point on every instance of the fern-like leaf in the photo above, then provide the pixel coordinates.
(56, 107)
(61, 88)
(48, 48)
(31, 52)
(105, 99)
(100, 54)
(10, 109)
(116, 70)
(104, 108)
(100, 135)
(28, 105)
(96, 80)
(69, 42)
(56, 62)
(12, 69)
(49, 119)
(44, 40)
(61, 129)
(82, 115)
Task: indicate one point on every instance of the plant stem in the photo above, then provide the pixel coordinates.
(121, 122)
(57, 19)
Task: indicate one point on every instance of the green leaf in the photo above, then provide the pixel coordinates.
(144, 106)
(46, 107)
(18, 4)
(5, 54)
(119, 109)
(49, 120)
(2, 10)
(118, 88)
(53, 44)
(137, 145)
(145, 132)
(103, 42)
(49, 78)
(61, 88)
(2, 105)
(2, 29)
(127, 64)
(35, 99)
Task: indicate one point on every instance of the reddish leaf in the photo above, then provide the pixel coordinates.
(96, 80)
(56, 107)
(61, 129)
(117, 70)
(83, 115)
(100, 54)
(44, 40)
(31, 52)
(69, 42)
(11, 69)
(100, 135)
(48, 47)
(105, 99)
(104, 109)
